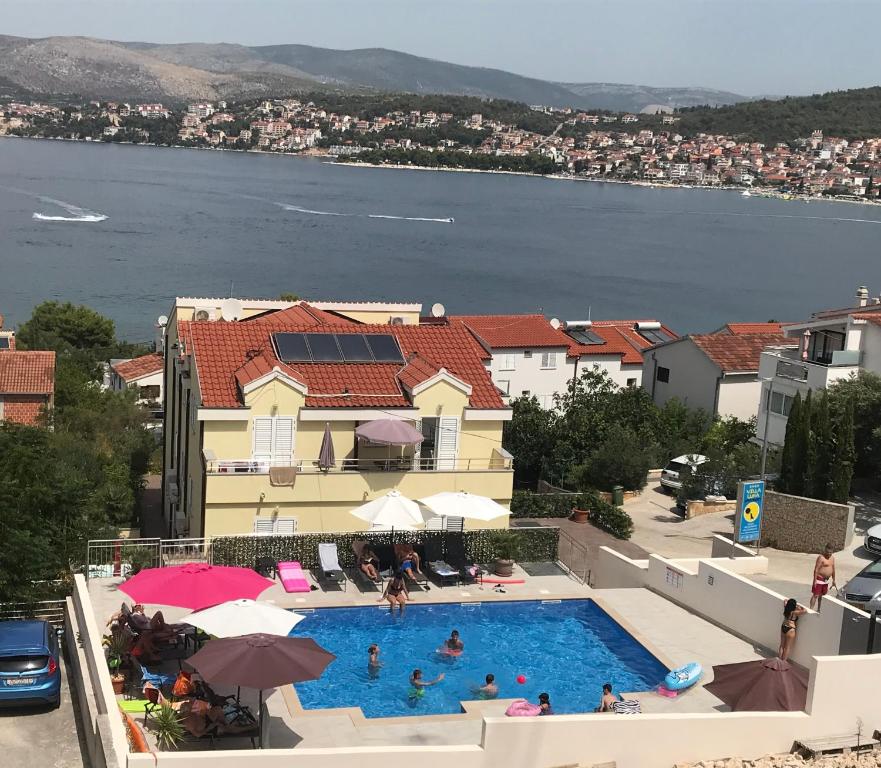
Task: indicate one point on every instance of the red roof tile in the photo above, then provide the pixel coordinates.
(620, 337)
(749, 329)
(137, 368)
(737, 353)
(510, 331)
(27, 373)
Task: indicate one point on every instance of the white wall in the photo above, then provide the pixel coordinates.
(528, 375)
(692, 376)
(739, 396)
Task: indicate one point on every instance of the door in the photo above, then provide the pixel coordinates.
(273, 441)
(447, 442)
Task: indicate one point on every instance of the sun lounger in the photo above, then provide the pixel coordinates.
(357, 575)
(292, 577)
(456, 557)
(330, 565)
(437, 565)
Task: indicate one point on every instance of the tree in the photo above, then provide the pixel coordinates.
(288, 297)
(844, 460)
(620, 459)
(788, 461)
(528, 437)
(65, 327)
(809, 445)
(823, 453)
(862, 393)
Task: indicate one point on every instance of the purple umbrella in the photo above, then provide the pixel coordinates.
(326, 458)
(390, 432)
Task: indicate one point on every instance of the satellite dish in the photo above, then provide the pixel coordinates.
(163, 320)
(438, 310)
(231, 309)
(555, 324)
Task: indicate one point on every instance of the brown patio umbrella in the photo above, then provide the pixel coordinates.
(326, 458)
(260, 661)
(765, 685)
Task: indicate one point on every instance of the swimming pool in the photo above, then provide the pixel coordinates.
(568, 648)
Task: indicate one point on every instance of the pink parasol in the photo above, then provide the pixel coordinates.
(195, 585)
(389, 432)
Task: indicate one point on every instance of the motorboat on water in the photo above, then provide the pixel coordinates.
(746, 193)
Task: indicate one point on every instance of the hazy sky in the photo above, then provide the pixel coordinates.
(747, 46)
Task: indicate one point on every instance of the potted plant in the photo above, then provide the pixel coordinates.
(118, 646)
(506, 548)
(138, 558)
(167, 727)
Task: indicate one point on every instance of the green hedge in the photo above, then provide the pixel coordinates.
(603, 515)
(535, 545)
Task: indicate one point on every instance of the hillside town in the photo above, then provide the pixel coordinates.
(604, 146)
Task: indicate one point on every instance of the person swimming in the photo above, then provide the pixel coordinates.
(418, 685)
(453, 643)
(488, 690)
(373, 662)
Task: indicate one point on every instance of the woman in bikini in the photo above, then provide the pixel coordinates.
(396, 593)
(369, 564)
(791, 612)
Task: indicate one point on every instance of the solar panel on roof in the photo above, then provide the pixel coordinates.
(291, 347)
(354, 348)
(586, 337)
(655, 336)
(385, 348)
(324, 348)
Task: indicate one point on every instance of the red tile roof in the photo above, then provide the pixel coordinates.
(738, 353)
(511, 331)
(27, 373)
(137, 368)
(750, 329)
(229, 354)
(873, 318)
(621, 338)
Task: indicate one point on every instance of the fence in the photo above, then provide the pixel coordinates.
(574, 557)
(106, 558)
(48, 610)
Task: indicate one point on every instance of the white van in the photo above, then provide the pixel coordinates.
(670, 474)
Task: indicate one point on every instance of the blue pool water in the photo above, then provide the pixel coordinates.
(568, 649)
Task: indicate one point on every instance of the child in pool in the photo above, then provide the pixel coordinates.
(488, 690)
(373, 662)
(419, 685)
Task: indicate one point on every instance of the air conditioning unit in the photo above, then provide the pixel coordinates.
(396, 321)
(203, 314)
(172, 490)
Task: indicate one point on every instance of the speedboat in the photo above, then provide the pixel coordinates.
(746, 193)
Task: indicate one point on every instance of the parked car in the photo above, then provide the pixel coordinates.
(30, 663)
(670, 480)
(872, 542)
(864, 589)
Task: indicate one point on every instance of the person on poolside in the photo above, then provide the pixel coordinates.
(544, 703)
(824, 574)
(489, 690)
(373, 662)
(453, 643)
(791, 612)
(419, 684)
(369, 563)
(608, 700)
(409, 562)
(396, 593)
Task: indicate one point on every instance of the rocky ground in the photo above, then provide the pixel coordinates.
(854, 760)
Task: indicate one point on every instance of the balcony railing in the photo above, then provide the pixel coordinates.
(495, 463)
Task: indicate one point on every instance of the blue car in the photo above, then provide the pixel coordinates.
(30, 670)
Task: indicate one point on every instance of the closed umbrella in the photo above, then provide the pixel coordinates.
(765, 685)
(244, 617)
(194, 585)
(389, 432)
(326, 458)
(260, 661)
(465, 505)
(391, 511)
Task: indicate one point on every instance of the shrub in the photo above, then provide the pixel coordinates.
(607, 517)
(621, 459)
(537, 505)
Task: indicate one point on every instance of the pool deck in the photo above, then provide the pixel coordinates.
(674, 635)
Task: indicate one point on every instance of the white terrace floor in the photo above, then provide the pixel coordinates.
(673, 634)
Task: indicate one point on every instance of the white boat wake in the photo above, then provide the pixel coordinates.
(76, 213)
(298, 209)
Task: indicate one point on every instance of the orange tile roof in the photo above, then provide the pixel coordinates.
(27, 373)
(510, 331)
(621, 338)
(737, 353)
(749, 329)
(138, 367)
(229, 354)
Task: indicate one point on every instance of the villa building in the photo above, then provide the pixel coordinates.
(534, 356)
(256, 388)
(27, 384)
(833, 345)
(144, 373)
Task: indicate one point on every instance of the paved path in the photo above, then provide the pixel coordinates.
(42, 737)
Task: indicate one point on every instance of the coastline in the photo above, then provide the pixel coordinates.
(326, 157)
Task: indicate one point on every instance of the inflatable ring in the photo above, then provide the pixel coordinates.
(443, 651)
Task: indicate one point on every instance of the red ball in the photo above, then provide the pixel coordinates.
(521, 679)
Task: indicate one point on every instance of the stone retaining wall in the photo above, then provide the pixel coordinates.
(698, 507)
(799, 524)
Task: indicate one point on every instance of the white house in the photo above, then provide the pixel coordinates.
(144, 373)
(834, 344)
(718, 372)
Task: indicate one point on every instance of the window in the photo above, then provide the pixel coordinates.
(527, 353)
(509, 362)
(781, 404)
(525, 393)
(273, 440)
(663, 374)
(504, 385)
(631, 382)
(150, 392)
(548, 359)
(281, 526)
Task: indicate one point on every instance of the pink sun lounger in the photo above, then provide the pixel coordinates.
(292, 577)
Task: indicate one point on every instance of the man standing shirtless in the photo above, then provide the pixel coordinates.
(824, 572)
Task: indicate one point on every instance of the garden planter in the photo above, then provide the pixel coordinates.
(503, 567)
(118, 683)
(579, 515)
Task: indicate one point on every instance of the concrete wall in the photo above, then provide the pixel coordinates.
(798, 524)
(693, 376)
(739, 396)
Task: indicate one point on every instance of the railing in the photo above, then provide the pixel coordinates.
(496, 463)
(48, 610)
(181, 551)
(574, 557)
(106, 558)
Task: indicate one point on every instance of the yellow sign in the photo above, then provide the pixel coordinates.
(751, 512)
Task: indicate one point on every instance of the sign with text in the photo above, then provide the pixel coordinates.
(750, 504)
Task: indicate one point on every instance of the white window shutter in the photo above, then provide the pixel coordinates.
(286, 526)
(447, 442)
(263, 439)
(283, 450)
(263, 526)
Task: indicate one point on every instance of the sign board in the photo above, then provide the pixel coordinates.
(750, 505)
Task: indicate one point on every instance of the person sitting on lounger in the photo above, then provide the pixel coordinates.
(369, 563)
(409, 561)
(608, 700)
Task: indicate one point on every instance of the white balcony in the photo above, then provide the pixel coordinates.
(788, 367)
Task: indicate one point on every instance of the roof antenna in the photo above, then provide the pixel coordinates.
(588, 313)
(230, 289)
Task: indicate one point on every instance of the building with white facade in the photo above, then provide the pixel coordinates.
(833, 345)
(143, 373)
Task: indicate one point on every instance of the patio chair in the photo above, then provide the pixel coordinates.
(292, 577)
(265, 566)
(387, 562)
(331, 570)
(468, 571)
(435, 563)
(419, 578)
(158, 679)
(155, 700)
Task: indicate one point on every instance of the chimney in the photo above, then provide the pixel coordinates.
(862, 296)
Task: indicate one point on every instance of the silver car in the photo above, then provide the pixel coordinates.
(865, 588)
(872, 542)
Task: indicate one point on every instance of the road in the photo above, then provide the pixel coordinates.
(42, 737)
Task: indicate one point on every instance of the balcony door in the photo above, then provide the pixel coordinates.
(440, 448)
(273, 441)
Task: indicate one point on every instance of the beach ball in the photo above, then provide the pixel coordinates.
(521, 679)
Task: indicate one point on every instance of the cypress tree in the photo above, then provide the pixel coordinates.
(823, 453)
(800, 448)
(787, 459)
(842, 467)
(809, 441)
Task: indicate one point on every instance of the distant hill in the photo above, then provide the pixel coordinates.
(848, 114)
(106, 69)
